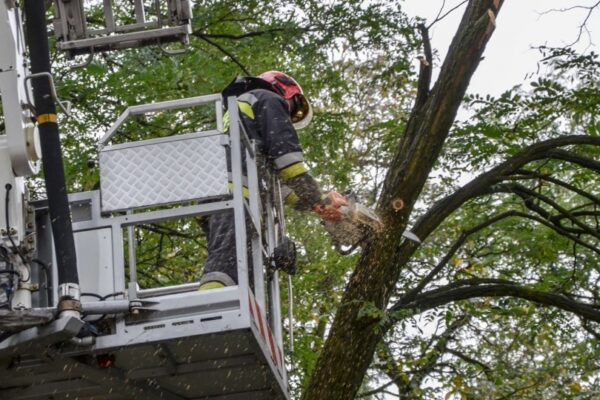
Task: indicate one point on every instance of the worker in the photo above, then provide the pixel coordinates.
(272, 106)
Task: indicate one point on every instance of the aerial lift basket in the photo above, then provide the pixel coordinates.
(172, 342)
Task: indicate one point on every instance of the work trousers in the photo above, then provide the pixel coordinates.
(221, 263)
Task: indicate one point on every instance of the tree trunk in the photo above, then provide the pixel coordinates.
(354, 335)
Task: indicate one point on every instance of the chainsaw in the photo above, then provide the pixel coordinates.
(356, 223)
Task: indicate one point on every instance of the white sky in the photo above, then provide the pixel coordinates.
(509, 56)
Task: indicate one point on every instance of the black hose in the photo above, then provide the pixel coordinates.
(56, 189)
(96, 295)
(101, 298)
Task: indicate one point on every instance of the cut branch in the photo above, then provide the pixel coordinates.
(425, 70)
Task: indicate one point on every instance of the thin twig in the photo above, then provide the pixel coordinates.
(236, 37)
(228, 54)
(583, 26)
(438, 18)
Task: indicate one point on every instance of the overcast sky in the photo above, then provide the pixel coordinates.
(521, 24)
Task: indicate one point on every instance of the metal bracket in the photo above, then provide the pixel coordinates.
(64, 106)
(69, 290)
(171, 53)
(34, 339)
(69, 305)
(86, 62)
(137, 306)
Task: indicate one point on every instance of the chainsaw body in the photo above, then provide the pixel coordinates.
(355, 225)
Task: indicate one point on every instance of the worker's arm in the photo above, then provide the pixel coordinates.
(282, 146)
(302, 192)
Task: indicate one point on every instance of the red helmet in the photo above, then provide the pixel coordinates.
(301, 110)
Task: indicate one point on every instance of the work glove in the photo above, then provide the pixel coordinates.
(330, 207)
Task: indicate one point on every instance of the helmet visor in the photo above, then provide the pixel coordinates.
(302, 113)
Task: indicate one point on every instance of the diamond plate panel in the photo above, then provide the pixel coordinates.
(162, 171)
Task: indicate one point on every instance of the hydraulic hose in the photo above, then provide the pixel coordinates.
(54, 175)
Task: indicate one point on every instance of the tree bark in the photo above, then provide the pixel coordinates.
(352, 341)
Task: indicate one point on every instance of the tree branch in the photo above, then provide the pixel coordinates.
(486, 369)
(511, 394)
(480, 185)
(438, 297)
(583, 26)
(429, 356)
(586, 326)
(432, 357)
(423, 141)
(375, 391)
(457, 244)
(201, 35)
(425, 70)
(228, 54)
(571, 157)
(440, 17)
(558, 182)
(559, 230)
(527, 195)
(423, 87)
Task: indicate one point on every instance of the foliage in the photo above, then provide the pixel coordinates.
(511, 348)
(295, 38)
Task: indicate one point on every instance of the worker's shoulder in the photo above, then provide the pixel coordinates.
(260, 96)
